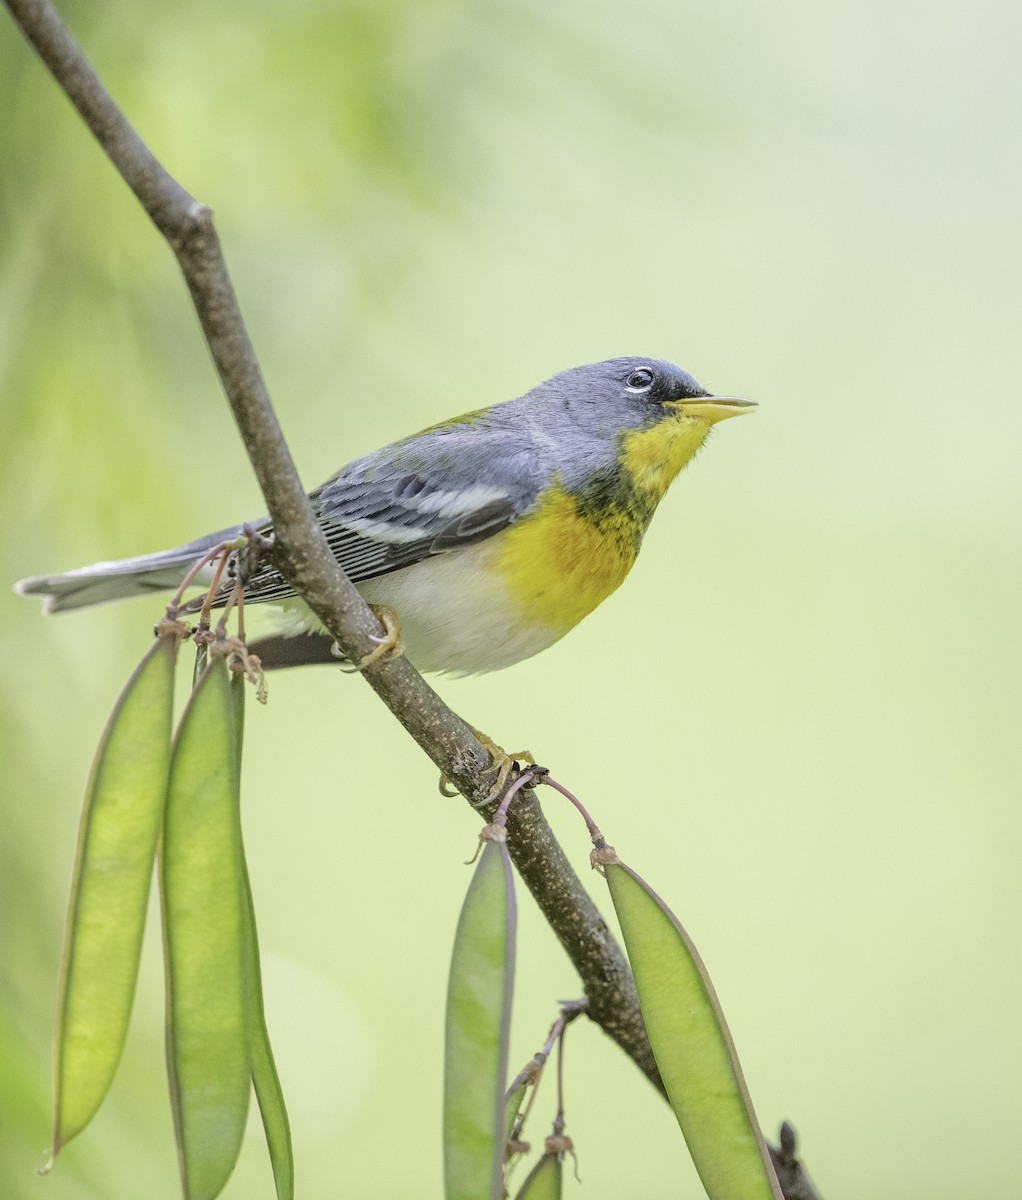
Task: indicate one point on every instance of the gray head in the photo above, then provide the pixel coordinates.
(620, 395)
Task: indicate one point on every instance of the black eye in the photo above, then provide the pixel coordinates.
(640, 380)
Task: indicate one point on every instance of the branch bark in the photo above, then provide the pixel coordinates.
(304, 556)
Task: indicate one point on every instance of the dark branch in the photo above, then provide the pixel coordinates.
(306, 559)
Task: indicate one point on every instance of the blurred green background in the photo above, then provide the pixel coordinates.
(800, 717)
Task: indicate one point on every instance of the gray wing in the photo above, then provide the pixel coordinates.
(447, 488)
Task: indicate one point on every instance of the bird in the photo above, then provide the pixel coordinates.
(482, 540)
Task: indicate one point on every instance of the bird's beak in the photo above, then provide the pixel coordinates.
(714, 408)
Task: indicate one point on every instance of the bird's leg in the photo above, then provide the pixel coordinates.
(502, 764)
(390, 645)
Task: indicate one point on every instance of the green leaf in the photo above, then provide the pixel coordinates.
(512, 1106)
(478, 1029)
(544, 1180)
(205, 926)
(692, 1045)
(110, 890)
(264, 1070)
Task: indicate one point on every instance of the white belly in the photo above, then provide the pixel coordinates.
(455, 614)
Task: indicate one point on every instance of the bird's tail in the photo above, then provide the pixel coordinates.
(159, 572)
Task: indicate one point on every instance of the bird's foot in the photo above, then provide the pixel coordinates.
(390, 645)
(501, 765)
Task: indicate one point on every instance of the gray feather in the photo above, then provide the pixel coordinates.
(448, 487)
(105, 581)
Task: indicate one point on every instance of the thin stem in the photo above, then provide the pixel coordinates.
(523, 781)
(206, 611)
(193, 571)
(559, 1119)
(594, 830)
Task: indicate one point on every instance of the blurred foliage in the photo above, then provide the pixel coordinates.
(432, 206)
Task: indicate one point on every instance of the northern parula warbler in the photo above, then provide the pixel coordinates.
(489, 536)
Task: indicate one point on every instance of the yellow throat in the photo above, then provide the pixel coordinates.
(562, 560)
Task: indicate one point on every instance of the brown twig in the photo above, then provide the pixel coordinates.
(302, 553)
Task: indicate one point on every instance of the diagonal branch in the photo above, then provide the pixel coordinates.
(302, 551)
(304, 557)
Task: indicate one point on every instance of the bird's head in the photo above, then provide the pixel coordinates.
(654, 414)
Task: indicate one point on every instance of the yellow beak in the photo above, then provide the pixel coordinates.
(713, 408)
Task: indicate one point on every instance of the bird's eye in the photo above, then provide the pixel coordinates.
(640, 380)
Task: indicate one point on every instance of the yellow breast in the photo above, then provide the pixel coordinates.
(558, 564)
(563, 560)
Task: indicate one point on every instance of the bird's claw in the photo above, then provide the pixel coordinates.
(501, 765)
(388, 646)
